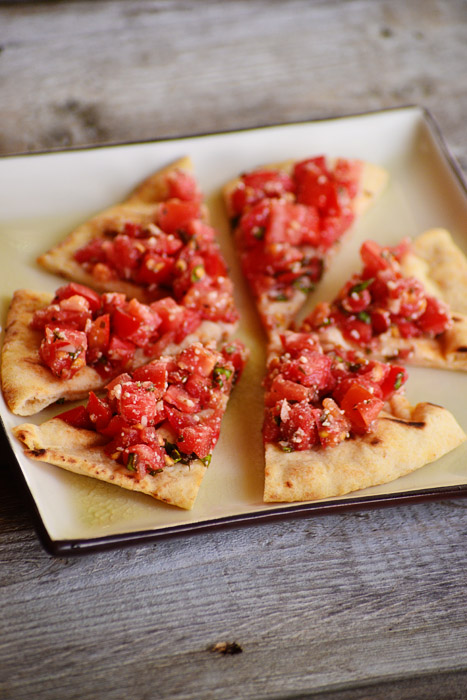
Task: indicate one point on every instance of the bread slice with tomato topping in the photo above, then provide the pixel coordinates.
(337, 421)
(288, 220)
(408, 302)
(60, 347)
(157, 243)
(153, 431)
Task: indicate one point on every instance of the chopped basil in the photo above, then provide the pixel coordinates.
(357, 288)
(172, 451)
(218, 372)
(60, 400)
(304, 284)
(280, 296)
(364, 316)
(229, 349)
(259, 232)
(399, 378)
(153, 472)
(74, 355)
(206, 460)
(286, 448)
(132, 460)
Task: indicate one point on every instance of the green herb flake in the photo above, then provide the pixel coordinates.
(364, 316)
(153, 472)
(286, 448)
(206, 460)
(219, 372)
(132, 460)
(259, 232)
(357, 288)
(398, 381)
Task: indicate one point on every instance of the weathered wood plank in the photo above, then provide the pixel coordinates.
(368, 604)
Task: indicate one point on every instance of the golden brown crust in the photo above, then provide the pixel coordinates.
(28, 386)
(405, 439)
(81, 451)
(140, 207)
(441, 267)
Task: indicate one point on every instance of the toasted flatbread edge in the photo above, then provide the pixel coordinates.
(81, 451)
(140, 206)
(431, 249)
(28, 386)
(398, 446)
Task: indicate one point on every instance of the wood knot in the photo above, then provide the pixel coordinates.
(225, 648)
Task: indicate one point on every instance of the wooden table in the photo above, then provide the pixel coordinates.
(367, 604)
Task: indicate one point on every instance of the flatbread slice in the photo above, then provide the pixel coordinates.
(287, 227)
(141, 207)
(401, 442)
(338, 422)
(157, 243)
(150, 434)
(429, 282)
(81, 451)
(29, 386)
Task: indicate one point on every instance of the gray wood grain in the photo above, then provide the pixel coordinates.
(358, 605)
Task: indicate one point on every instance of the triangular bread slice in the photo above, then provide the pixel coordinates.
(275, 314)
(81, 450)
(308, 408)
(403, 440)
(140, 207)
(29, 386)
(441, 267)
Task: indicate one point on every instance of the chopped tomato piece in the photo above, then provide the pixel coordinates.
(75, 289)
(77, 417)
(63, 350)
(99, 411)
(176, 214)
(198, 440)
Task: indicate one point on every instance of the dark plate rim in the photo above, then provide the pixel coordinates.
(281, 512)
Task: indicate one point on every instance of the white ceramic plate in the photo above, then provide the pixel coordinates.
(44, 196)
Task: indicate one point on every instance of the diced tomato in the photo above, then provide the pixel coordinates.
(285, 389)
(77, 417)
(99, 411)
(395, 378)
(197, 359)
(176, 214)
(178, 419)
(112, 301)
(236, 353)
(436, 318)
(63, 350)
(181, 399)
(120, 379)
(142, 459)
(120, 351)
(347, 174)
(124, 255)
(373, 260)
(154, 372)
(154, 269)
(311, 369)
(125, 325)
(182, 185)
(75, 289)
(300, 426)
(360, 406)
(93, 252)
(114, 427)
(138, 403)
(199, 440)
(98, 338)
(258, 184)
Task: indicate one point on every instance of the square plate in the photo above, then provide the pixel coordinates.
(43, 196)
